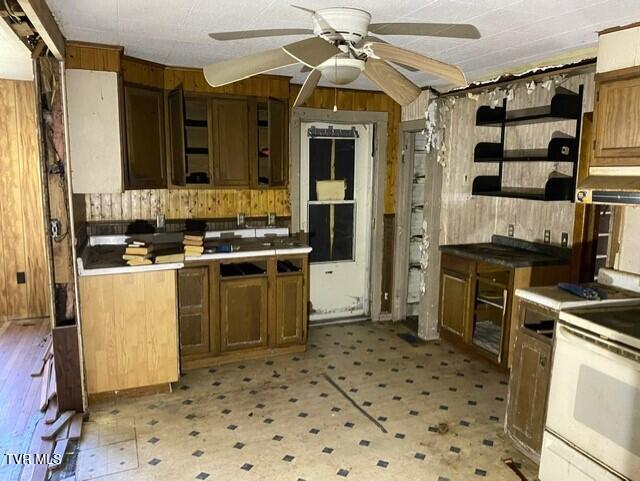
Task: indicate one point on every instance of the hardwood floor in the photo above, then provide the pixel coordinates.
(21, 346)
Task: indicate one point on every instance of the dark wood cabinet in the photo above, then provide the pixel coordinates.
(145, 141)
(478, 310)
(230, 142)
(290, 306)
(234, 309)
(193, 308)
(218, 141)
(176, 136)
(530, 377)
(617, 119)
(243, 312)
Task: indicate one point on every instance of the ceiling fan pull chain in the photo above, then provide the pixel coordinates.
(335, 99)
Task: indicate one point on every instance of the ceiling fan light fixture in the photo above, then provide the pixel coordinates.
(341, 71)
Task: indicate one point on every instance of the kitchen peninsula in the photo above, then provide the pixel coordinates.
(141, 325)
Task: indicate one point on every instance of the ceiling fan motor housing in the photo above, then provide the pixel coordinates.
(341, 23)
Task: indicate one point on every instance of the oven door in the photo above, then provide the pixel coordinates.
(594, 399)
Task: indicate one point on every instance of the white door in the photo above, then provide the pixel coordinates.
(335, 201)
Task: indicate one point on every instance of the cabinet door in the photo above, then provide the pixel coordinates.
(144, 112)
(528, 391)
(617, 121)
(243, 313)
(230, 141)
(193, 308)
(454, 302)
(289, 309)
(278, 142)
(176, 136)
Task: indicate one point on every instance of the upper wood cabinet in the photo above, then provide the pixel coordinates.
(617, 119)
(176, 136)
(144, 120)
(229, 141)
(229, 120)
(270, 162)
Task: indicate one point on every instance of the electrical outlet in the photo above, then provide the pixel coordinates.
(510, 230)
(547, 236)
(565, 239)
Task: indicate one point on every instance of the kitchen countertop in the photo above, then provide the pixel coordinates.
(107, 258)
(511, 252)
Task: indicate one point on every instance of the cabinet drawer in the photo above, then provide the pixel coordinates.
(457, 264)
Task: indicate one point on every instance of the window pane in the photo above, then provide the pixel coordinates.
(331, 232)
(345, 163)
(319, 163)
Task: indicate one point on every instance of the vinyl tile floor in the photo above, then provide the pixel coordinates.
(361, 404)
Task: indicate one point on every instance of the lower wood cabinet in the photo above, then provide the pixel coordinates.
(528, 390)
(454, 315)
(244, 308)
(290, 309)
(193, 306)
(243, 313)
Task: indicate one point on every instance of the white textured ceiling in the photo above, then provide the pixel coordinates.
(15, 58)
(514, 32)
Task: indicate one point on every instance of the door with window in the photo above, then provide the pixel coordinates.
(335, 201)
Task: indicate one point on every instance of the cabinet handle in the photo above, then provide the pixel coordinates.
(543, 360)
(328, 272)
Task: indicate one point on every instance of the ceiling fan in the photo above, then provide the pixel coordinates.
(341, 50)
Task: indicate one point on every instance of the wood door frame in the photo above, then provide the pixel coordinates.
(379, 120)
(428, 310)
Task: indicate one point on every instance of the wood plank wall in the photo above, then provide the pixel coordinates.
(219, 203)
(21, 221)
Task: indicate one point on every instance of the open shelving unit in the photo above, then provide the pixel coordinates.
(565, 105)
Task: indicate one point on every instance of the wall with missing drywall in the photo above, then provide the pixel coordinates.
(464, 218)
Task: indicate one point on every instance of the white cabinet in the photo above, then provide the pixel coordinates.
(95, 146)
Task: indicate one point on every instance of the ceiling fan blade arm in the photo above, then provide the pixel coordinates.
(425, 64)
(308, 87)
(302, 8)
(312, 51)
(229, 71)
(272, 32)
(392, 82)
(452, 30)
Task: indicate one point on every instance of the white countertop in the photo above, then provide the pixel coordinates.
(179, 265)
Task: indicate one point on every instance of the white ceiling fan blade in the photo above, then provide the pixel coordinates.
(271, 32)
(308, 87)
(392, 82)
(425, 64)
(223, 73)
(452, 30)
(312, 51)
(302, 8)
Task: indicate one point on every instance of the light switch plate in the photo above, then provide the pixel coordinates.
(547, 236)
(565, 239)
(510, 230)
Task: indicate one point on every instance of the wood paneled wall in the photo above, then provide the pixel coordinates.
(21, 221)
(220, 203)
(187, 203)
(347, 99)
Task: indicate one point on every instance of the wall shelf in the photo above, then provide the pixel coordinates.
(565, 105)
(560, 149)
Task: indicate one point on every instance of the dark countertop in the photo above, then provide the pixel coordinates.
(511, 252)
